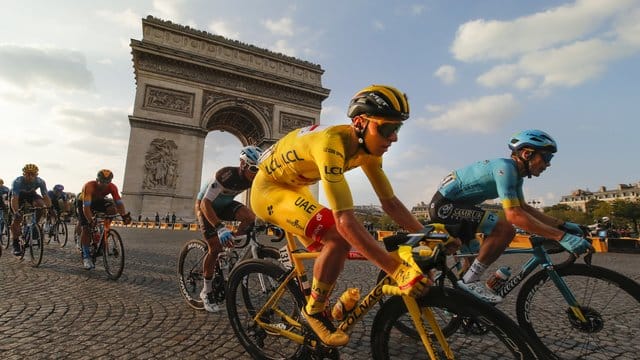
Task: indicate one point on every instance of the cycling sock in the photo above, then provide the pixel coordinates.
(319, 294)
(475, 272)
(208, 285)
(85, 251)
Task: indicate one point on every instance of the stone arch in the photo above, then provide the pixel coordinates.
(189, 83)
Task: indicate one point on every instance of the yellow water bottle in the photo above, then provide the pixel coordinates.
(345, 303)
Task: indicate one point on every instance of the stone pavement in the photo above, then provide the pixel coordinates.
(61, 311)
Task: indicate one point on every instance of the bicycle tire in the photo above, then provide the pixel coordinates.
(62, 234)
(503, 340)
(241, 309)
(190, 277)
(113, 255)
(35, 243)
(609, 299)
(4, 233)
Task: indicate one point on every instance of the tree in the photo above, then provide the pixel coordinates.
(628, 210)
(566, 213)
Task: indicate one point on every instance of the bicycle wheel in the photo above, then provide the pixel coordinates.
(503, 339)
(190, 277)
(35, 243)
(4, 233)
(609, 300)
(260, 343)
(61, 233)
(113, 255)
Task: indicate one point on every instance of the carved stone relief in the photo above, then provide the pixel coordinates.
(161, 165)
(290, 122)
(227, 80)
(168, 101)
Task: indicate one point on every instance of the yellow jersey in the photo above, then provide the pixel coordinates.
(317, 153)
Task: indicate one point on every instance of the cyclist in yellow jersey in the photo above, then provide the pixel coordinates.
(280, 195)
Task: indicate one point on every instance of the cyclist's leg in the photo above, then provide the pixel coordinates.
(295, 210)
(471, 220)
(214, 248)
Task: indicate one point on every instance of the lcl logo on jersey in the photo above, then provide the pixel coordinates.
(288, 157)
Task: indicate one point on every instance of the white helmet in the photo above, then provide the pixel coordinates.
(250, 154)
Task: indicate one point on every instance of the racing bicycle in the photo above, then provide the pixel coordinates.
(569, 310)
(31, 238)
(267, 321)
(106, 242)
(191, 258)
(56, 230)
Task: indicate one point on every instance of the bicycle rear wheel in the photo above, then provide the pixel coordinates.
(251, 285)
(113, 255)
(609, 300)
(190, 277)
(35, 243)
(503, 339)
(61, 234)
(4, 234)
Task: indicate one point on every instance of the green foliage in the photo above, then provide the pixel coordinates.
(566, 213)
(629, 210)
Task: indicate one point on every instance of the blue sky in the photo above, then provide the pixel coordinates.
(475, 72)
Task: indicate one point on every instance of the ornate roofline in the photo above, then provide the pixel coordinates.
(236, 43)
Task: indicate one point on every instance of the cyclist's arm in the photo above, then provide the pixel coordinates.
(400, 214)
(206, 207)
(549, 220)
(15, 202)
(357, 236)
(115, 194)
(521, 218)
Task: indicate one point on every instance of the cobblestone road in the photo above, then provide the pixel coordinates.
(60, 311)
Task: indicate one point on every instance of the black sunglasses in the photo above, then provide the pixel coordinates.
(253, 168)
(546, 156)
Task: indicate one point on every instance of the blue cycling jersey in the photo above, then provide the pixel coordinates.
(55, 197)
(4, 191)
(485, 180)
(20, 185)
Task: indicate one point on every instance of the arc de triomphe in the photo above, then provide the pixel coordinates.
(188, 83)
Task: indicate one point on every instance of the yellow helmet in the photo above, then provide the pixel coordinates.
(30, 169)
(380, 100)
(104, 176)
(1, 182)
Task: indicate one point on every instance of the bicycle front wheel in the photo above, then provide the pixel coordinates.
(113, 255)
(502, 339)
(609, 300)
(35, 243)
(190, 267)
(61, 234)
(251, 284)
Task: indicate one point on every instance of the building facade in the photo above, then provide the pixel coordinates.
(579, 198)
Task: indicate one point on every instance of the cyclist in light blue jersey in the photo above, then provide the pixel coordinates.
(23, 191)
(461, 191)
(215, 203)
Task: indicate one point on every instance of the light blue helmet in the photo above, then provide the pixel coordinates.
(250, 154)
(535, 139)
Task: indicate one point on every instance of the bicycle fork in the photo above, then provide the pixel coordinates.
(416, 316)
(567, 294)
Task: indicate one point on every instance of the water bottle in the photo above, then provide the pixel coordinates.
(499, 278)
(345, 303)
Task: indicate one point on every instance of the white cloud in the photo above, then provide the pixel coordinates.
(282, 27)
(446, 74)
(125, 18)
(169, 10)
(491, 39)
(281, 46)
(108, 128)
(30, 67)
(221, 28)
(546, 56)
(378, 25)
(478, 115)
(417, 9)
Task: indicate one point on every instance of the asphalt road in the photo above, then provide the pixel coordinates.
(61, 311)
